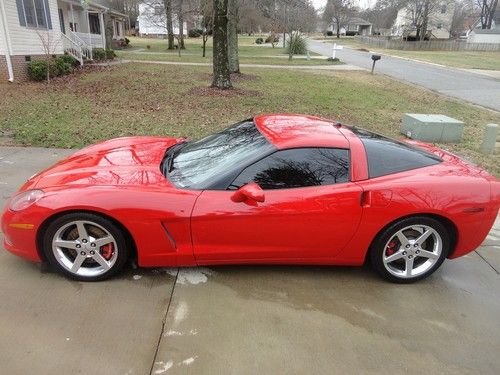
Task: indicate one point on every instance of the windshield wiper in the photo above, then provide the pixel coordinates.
(167, 164)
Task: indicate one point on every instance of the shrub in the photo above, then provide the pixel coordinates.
(68, 59)
(297, 44)
(37, 70)
(273, 38)
(148, 46)
(121, 43)
(329, 33)
(195, 33)
(99, 54)
(331, 59)
(62, 67)
(110, 54)
(259, 41)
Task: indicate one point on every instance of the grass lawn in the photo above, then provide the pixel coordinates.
(165, 100)
(249, 52)
(458, 59)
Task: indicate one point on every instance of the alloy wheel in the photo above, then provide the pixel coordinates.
(85, 248)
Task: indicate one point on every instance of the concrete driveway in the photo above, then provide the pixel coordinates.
(245, 320)
(457, 83)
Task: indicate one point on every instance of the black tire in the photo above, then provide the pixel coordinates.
(378, 248)
(120, 245)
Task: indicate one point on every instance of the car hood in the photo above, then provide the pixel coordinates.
(119, 162)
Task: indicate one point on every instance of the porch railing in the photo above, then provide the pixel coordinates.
(72, 48)
(86, 47)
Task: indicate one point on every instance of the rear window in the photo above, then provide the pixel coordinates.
(387, 156)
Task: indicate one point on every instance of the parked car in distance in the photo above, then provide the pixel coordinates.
(276, 189)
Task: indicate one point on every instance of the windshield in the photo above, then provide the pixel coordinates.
(199, 164)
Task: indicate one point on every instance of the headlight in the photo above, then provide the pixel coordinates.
(24, 200)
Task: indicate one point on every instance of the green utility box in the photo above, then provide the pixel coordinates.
(432, 128)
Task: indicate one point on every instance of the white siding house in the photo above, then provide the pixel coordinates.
(153, 21)
(478, 35)
(439, 26)
(63, 26)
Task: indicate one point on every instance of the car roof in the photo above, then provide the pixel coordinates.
(293, 131)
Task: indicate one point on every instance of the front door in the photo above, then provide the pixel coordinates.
(310, 211)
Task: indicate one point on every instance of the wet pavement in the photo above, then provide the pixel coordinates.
(245, 319)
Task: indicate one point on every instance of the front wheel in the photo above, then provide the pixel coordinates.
(410, 249)
(85, 246)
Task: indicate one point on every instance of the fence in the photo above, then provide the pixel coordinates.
(428, 45)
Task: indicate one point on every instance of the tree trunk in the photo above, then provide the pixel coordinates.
(491, 14)
(338, 27)
(232, 37)
(205, 38)
(180, 17)
(170, 26)
(222, 78)
(108, 26)
(425, 21)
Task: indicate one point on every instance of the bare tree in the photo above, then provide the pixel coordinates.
(383, 14)
(418, 13)
(180, 19)
(170, 26)
(206, 17)
(49, 46)
(487, 9)
(338, 13)
(462, 18)
(222, 77)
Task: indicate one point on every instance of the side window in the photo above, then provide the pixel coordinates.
(387, 156)
(296, 168)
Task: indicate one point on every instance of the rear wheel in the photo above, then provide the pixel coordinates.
(85, 246)
(410, 249)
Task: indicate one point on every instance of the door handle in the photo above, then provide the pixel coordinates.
(365, 199)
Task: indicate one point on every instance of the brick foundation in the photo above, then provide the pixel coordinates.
(4, 72)
(19, 65)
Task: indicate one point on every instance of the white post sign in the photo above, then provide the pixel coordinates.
(335, 48)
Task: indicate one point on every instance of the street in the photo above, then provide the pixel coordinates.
(245, 320)
(461, 84)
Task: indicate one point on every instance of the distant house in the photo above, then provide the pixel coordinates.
(152, 20)
(438, 27)
(478, 35)
(73, 27)
(355, 26)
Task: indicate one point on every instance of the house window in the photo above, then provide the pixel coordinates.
(95, 25)
(34, 13)
(444, 9)
(73, 27)
(439, 25)
(117, 27)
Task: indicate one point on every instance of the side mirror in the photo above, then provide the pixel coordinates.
(250, 191)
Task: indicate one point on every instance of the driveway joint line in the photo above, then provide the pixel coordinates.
(164, 321)
(488, 263)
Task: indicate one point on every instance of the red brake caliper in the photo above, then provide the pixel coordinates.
(390, 248)
(107, 251)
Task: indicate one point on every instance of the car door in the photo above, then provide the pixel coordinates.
(309, 211)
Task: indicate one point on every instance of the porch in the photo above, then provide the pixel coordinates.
(83, 27)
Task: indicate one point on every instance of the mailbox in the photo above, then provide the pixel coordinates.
(375, 58)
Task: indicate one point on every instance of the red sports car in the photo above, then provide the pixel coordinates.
(277, 189)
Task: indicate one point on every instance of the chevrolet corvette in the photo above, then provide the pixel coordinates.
(276, 189)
